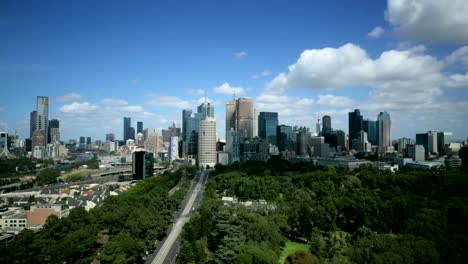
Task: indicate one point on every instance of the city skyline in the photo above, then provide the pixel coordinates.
(304, 66)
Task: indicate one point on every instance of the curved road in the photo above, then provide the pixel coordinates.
(161, 256)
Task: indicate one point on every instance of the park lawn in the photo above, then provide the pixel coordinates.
(291, 247)
(75, 174)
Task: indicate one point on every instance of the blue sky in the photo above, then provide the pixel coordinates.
(101, 60)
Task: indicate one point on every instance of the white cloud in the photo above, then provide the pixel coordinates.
(457, 81)
(291, 110)
(79, 108)
(227, 89)
(240, 55)
(376, 32)
(71, 97)
(460, 55)
(264, 73)
(330, 100)
(113, 102)
(393, 75)
(441, 21)
(132, 109)
(168, 101)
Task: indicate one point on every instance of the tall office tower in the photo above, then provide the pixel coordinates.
(142, 164)
(38, 139)
(245, 118)
(318, 126)
(385, 131)
(3, 143)
(267, 124)
(302, 142)
(441, 143)
(110, 136)
(355, 125)
(131, 133)
(207, 142)
(285, 138)
(206, 109)
(153, 141)
(42, 115)
(402, 145)
(88, 143)
(432, 141)
(233, 145)
(171, 131)
(255, 124)
(126, 128)
(421, 139)
(139, 127)
(326, 122)
(372, 132)
(240, 117)
(173, 148)
(340, 140)
(186, 114)
(54, 131)
(362, 142)
(32, 123)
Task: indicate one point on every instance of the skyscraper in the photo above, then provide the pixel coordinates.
(432, 142)
(267, 124)
(207, 142)
(372, 132)
(285, 138)
(3, 143)
(33, 123)
(139, 127)
(240, 117)
(355, 125)
(126, 128)
(326, 122)
(385, 131)
(42, 118)
(110, 136)
(206, 109)
(54, 131)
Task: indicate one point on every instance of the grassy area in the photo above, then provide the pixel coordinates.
(291, 247)
(75, 175)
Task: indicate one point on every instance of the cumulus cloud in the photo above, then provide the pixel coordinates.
(376, 32)
(132, 109)
(330, 100)
(240, 55)
(441, 21)
(291, 110)
(460, 55)
(113, 102)
(393, 75)
(71, 97)
(227, 89)
(264, 73)
(79, 108)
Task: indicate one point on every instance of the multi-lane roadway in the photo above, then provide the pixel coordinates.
(165, 254)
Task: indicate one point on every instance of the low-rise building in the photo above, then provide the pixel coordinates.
(342, 163)
(13, 218)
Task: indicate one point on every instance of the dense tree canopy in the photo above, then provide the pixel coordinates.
(362, 216)
(119, 231)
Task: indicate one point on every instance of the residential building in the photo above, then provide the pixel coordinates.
(207, 156)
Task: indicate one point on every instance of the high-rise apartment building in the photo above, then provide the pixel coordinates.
(207, 142)
(267, 124)
(42, 118)
(355, 125)
(385, 131)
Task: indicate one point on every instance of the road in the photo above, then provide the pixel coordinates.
(162, 255)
